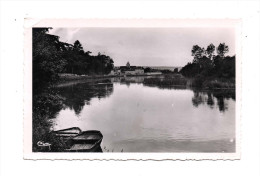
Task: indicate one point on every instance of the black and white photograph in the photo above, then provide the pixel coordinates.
(122, 90)
(129, 88)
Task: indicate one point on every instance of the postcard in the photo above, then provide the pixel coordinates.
(132, 89)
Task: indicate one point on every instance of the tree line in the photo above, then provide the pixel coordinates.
(51, 56)
(207, 64)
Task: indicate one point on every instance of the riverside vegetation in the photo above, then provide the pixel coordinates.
(51, 57)
(208, 70)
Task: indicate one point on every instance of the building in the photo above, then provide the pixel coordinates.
(127, 70)
(131, 70)
(115, 72)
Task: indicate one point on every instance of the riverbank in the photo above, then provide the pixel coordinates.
(212, 82)
(167, 80)
(68, 77)
(72, 77)
(197, 82)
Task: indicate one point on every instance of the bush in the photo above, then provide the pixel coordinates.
(198, 81)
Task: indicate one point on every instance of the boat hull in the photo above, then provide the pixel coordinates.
(67, 133)
(87, 141)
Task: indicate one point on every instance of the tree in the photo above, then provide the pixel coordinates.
(210, 50)
(147, 70)
(47, 57)
(175, 70)
(197, 52)
(77, 46)
(222, 49)
(206, 64)
(190, 69)
(50, 57)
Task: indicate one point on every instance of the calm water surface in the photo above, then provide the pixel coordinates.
(136, 117)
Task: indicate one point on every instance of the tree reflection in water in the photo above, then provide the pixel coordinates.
(128, 80)
(79, 95)
(210, 100)
(209, 96)
(48, 102)
(75, 96)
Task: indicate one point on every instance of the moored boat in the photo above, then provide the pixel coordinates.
(67, 133)
(87, 141)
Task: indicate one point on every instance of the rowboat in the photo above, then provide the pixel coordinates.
(86, 141)
(67, 133)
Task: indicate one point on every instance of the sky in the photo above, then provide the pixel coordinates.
(147, 46)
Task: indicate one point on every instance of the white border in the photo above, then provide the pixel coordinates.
(162, 23)
(11, 98)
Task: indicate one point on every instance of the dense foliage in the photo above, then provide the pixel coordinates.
(51, 56)
(47, 57)
(208, 65)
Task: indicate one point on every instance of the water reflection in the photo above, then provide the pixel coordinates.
(159, 81)
(78, 95)
(147, 114)
(128, 79)
(211, 97)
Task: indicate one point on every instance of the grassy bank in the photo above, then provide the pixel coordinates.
(167, 80)
(197, 82)
(73, 77)
(212, 82)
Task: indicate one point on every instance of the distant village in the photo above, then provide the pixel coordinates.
(129, 70)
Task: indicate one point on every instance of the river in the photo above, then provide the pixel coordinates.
(137, 117)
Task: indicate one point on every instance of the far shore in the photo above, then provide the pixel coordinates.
(69, 77)
(170, 79)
